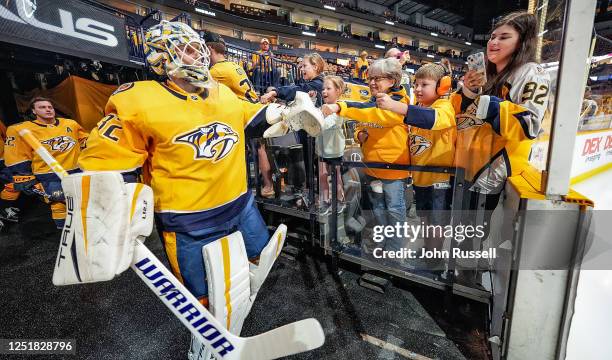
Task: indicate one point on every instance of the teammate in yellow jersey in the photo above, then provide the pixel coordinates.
(63, 138)
(8, 195)
(228, 72)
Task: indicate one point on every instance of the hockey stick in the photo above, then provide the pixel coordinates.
(286, 340)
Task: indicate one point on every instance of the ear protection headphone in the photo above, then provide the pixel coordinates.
(445, 83)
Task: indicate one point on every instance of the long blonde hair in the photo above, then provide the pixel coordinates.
(317, 61)
(337, 82)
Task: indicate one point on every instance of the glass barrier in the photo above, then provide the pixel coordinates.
(550, 15)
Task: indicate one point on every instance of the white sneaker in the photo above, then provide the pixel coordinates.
(10, 214)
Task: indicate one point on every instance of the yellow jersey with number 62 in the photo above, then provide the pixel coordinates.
(233, 76)
(190, 147)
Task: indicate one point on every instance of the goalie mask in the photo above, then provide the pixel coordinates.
(175, 49)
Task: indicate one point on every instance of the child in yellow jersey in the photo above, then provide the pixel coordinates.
(63, 138)
(432, 138)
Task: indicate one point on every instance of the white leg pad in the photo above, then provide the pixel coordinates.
(104, 218)
(227, 273)
(233, 282)
(268, 256)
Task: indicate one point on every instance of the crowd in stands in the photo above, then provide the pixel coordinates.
(272, 16)
(388, 14)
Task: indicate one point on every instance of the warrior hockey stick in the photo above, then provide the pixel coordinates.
(286, 340)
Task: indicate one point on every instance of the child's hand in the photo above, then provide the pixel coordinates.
(329, 109)
(362, 136)
(384, 101)
(268, 97)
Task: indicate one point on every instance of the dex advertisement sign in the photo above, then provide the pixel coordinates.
(65, 26)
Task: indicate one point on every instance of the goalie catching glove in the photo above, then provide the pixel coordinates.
(297, 115)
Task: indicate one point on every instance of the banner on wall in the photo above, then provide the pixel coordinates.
(76, 98)
(593, 151)
(65, 26)
(356, 92)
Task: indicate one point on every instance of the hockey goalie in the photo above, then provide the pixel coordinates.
(185, 135)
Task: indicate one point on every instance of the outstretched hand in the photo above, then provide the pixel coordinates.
(329, 109)
(384, 101)
(268, 97)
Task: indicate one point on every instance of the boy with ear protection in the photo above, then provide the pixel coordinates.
(431, 142)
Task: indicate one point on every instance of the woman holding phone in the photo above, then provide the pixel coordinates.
(498, 119)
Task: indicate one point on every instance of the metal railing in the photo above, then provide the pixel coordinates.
(263, 69)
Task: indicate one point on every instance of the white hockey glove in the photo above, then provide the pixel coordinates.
(299, 114)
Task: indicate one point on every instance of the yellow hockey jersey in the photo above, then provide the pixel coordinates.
(499, 146)
(233, 76)
(63, 139)
(387, 133)
(2, 139)
(432, 137)
(191, 148)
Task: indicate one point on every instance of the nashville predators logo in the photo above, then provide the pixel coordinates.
(60, 143)
(418, 145)
(468, 118)
(466, 121)
(212, 142)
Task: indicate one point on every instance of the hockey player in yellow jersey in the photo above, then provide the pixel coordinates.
(228, 72)
(187, 135)
(8, 195)
(63, 138)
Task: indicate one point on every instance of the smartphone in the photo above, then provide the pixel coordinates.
(477, 62)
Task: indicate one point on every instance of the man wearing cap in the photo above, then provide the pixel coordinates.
(228, 72)
(264, 74)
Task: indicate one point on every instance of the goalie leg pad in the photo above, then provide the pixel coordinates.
(259, 272)
(97, 240)
(227, 270)
(227, 273)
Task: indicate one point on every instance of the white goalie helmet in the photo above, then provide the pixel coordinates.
(175, 49)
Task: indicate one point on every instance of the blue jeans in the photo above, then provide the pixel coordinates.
(184, 249)
(389, 207)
